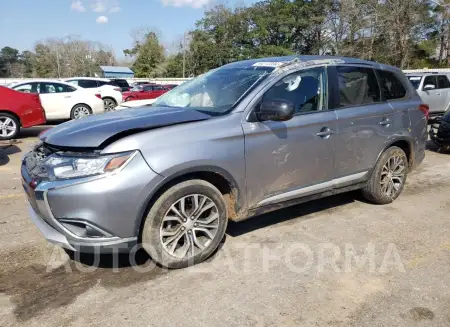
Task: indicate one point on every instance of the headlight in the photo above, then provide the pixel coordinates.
(66, 167)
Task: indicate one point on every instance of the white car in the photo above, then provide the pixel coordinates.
(110, 92)
(62, 100)
(135, 104)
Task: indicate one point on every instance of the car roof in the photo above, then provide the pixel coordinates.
(42, 81)
(89, 78)
(280, 61)
(427, 73)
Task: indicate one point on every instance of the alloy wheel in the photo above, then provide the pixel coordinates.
(189, 226)
(80, 112)
(393, 176)
(8, 127)
(109, 104)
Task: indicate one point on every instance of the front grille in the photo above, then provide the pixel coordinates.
(35, 159)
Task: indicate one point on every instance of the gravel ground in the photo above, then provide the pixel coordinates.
(333, 262)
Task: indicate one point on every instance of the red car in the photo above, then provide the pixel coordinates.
(143, 92)
(18, 110)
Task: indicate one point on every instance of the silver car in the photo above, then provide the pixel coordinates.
(238, 141)
(434, 89)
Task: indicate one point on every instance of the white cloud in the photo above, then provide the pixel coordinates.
(105, 6)
(77, 6)
(102, 20)
(183, 3)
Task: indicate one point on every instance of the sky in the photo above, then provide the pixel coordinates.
(24, 22)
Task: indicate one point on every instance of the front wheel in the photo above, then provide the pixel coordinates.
(388, 177)
(9, 126)
(185, 224)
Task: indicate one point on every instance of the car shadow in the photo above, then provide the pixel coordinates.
(431, 146)
(32, 132)
(298, 212)
(6, 151)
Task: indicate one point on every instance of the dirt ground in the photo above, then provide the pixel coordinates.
(333, 262)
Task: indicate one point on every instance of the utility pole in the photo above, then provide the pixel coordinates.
(184, 53)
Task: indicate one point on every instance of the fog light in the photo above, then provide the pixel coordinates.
(83, 229)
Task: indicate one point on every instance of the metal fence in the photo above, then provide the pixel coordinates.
(6, 81)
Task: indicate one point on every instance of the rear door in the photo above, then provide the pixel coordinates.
(364, 121)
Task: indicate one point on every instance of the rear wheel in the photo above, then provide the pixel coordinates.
(185, 224)
(388, 178)
(9, 126)
(129, 99)
(109, 104)
(80, 111)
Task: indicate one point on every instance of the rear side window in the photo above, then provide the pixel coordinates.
(357, 86)
(443, 82)
(87, 83)
(415, 81)
(158, 88)
(391, 87)
(148, 88)
(121, 82)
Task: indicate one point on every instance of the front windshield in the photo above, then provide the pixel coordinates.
(216, 91)
(415, 81)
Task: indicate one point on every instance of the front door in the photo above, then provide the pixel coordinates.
(431, 96)
(285, 160)
(55, 99)
(444, 92)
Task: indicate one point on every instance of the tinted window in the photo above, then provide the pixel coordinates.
(443, 82)
(148, 88)
(357, 86)
(415, 81)
(430, 80)
(158, 88)
(87, 83)
(28, 88)
(121, 82)
(391, 87)
(304, 89)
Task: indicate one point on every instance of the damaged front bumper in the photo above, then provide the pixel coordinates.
(93, 214)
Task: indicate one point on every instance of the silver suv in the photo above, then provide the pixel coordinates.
(238, 141)
(434, 89)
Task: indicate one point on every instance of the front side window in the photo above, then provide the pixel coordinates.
(391, 87)
(54, 88)
(443, 82)
(430, 82)
(148, 88)
(305, 89)
(215, 92)
(357, 86)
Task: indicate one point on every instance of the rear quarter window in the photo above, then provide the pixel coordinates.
(391, 87)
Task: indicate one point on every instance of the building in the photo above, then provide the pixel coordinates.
(116, 72)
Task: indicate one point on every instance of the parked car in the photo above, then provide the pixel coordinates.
(135, 104)
(440, 131)
(240, 140)
(434, 89)
(18, 110)
(110, 92)
(122, 83)
(142, 92)
(62, 100)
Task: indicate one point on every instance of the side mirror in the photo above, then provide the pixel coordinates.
(276, 110)
(429, 87)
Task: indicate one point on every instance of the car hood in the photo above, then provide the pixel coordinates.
(100, 130)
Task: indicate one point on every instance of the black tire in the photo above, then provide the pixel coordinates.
(129, 99)
(13, 123)
(151, 232)
(107, 101)
(373, 190)
(73, 112)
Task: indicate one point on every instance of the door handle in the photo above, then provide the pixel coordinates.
(385, 122)
(325, 133)
(438, 93)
